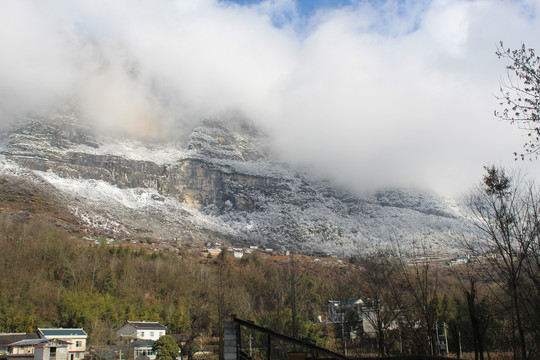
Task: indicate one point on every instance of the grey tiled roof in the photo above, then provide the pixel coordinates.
(27, 342)
(142, 343)
(150, 325)
(6, 339)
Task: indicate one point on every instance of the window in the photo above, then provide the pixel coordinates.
(78, 343)
(144, 352)
(142, 334)
(151, 334)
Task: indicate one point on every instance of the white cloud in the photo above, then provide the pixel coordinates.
(393, 93)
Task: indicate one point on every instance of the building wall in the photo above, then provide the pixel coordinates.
(77, 346)
(128, 332)
(45, 352)
(20, 357)
(149, 334)
(142, 353)
(19, 350)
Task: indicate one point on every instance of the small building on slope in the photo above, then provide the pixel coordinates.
(74, 337)
(140, 330)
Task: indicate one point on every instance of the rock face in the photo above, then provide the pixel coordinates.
(61, 145)
(220, 183)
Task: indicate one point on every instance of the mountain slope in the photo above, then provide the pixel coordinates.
(219, 184)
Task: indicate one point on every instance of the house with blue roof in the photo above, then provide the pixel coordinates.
(74, 337)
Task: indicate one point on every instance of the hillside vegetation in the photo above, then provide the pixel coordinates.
(51, 277)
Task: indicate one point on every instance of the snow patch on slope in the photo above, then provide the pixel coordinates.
(141, 208)
(135, 150)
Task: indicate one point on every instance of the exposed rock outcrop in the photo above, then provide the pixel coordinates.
(219, 183)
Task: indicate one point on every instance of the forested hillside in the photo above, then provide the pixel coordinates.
(51, 277)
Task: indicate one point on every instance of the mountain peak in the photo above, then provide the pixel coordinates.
(218, 185)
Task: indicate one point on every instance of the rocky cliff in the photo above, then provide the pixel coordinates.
(219, 184)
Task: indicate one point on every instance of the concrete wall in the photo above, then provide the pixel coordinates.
(231, 334)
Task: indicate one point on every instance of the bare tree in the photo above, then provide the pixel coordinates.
(505, 210)
(520, 94)
(479, 301)
(421, 280)
(383, 296)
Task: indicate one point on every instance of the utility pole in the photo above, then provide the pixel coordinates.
(459, 341)
(292, 274)
(343, 339)
(441, 338)
(445, 338)
(437, 337)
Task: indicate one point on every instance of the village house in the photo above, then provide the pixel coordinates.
(53, 349)
(364, 311)
(142, 350)
(236, 253)
(337, 309)
(214, 252)
(140, 336)
(459, 260)
(370, 318)
(75, 338)
(38, 349)
(23, 349)
(140, 330)
(7, 339)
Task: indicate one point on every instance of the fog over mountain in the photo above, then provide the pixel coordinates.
(220, 184)
(368, 93)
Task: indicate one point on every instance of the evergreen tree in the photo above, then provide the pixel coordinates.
(166, 348)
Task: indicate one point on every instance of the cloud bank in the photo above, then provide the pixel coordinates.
(372, 93)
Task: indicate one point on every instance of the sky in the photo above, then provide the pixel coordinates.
(368, 93)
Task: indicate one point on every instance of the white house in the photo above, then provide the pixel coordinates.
(75, 338)
(459, 260)
(370, 318)
(338, 308)
(140, 330)
(237, 254)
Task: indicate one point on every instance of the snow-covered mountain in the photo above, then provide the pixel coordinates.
(220, 184)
